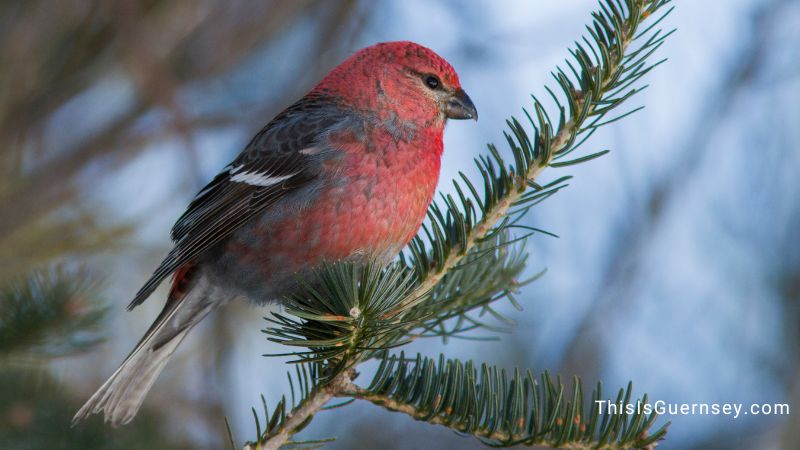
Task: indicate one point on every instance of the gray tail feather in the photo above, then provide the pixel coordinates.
(121, 396)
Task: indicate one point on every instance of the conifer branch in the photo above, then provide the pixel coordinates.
(48, 314)
(502, 409)
(275, 437)
(353, 313)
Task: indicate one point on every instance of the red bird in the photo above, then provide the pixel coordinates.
(346, 173)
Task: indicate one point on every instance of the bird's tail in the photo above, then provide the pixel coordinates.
(121, 396)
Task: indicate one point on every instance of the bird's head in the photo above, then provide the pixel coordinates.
(400, 79)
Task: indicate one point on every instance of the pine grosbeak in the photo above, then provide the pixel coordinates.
(346, 173)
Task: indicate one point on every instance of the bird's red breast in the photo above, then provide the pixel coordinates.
(372, 208)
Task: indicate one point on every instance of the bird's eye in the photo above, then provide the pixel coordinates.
(432, 82)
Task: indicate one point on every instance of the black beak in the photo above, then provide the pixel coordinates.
(460, 106)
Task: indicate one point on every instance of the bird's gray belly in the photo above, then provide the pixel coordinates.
(273, 255)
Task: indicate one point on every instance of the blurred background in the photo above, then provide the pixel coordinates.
(677, 266)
